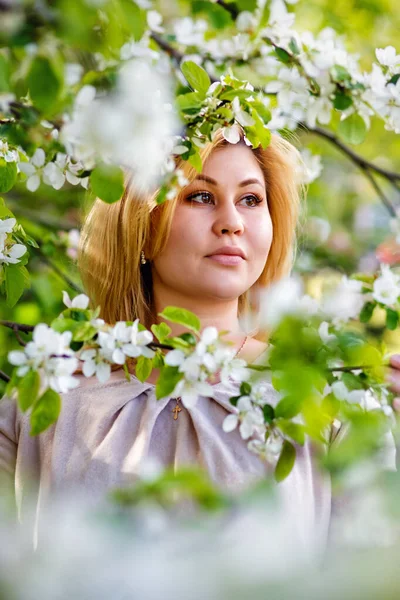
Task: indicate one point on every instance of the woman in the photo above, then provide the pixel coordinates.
(229, 232)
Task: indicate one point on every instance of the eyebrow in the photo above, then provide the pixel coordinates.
(243, 183)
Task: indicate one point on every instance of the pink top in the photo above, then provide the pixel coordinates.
(106, 431)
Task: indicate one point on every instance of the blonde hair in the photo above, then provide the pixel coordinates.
(113, 235)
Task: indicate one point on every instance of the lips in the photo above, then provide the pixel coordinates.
(228, 256)
(228, 251)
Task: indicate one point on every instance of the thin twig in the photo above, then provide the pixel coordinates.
(379, 191)
(17, 326)
(356, 158)
(166, 46)
(232, 10)
(4, 376)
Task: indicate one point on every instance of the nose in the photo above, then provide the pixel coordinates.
(228, 220)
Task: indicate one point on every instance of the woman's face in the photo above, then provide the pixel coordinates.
(221, 231)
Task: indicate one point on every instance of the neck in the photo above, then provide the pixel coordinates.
(222, 314)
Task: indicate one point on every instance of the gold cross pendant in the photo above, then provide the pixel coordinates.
(177, 409)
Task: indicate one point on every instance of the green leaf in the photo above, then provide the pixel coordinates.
(166, 383)
(144, 367)
(245, 388)
(231, 94)
(261, 131)
(293, 430)
(285, 462)
(282, 55)
(17, 280)
(5, 213)
(161, 331)
(61, 324)
(188, 338)
(84, 332)
(195, 160)
(262, 110)
(196, 76)
(264, 17)
(4, 74)
(218, 16)
(8, 175)
(394, 79)
(28, 389)
(190, 101)
(269, 413)
(367, 312)
(107, 183)
(342, 101)
(44, 81)
(248, 5)
(135, 19)
(293, 47)
(353, 129)
(340, 74)
(288, 407)
(45, 411)
(182, 317)
(392, 318)
(234, 400)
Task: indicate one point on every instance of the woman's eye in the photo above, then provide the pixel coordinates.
(251, 200)
(200, 198)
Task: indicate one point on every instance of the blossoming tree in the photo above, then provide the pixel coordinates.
(90, 89)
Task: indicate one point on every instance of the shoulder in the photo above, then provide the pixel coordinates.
(254, 350)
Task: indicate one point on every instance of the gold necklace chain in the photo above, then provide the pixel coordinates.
(177, 409)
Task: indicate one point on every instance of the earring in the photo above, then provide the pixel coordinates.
(143, 258)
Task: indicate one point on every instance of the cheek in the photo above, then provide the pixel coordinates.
(186, 237)
(261, 234)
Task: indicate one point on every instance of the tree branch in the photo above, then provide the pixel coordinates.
(356, 158)
(379, 191)
(232, 10)
(17, 326)
(4, 376)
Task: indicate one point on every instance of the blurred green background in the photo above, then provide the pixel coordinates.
(342, 196)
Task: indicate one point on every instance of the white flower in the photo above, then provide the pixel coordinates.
(234, 369)
(50, 352)
(189, 32)
(10, 253)
(130, 126)
(154, 20)
(80, 301)
(123, 340)
(7, 225)
(230, 423)
(8, 155)
(342, 393)
(189, 391)
(345, 301)
(386, 288)
(311, 168)
(245, 21)
(280, 299)
(324, 334)
(139, 341)
(232, 133)
(241, 116)
(53, 175)
(33, 169)
(387, 56)
(94, 364)
(249, 418)
(73, 73)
